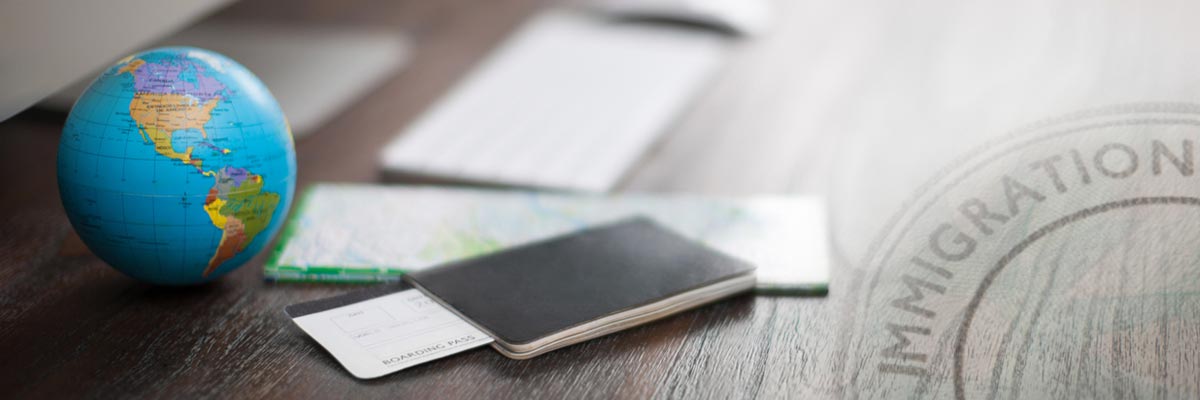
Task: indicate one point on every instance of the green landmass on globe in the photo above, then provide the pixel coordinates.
(214, 124)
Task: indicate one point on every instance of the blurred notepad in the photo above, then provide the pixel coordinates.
(367, 233)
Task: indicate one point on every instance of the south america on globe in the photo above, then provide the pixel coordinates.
(176, 166)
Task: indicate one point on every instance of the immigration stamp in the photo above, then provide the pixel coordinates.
(1061, 260)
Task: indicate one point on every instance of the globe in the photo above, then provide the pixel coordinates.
(176, 166)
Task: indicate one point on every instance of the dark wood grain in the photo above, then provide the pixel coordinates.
(871, 104)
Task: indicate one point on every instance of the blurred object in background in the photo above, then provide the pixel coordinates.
(48, 44)
(314, 71)
(53, 49)
(573, 99)
(744, 17)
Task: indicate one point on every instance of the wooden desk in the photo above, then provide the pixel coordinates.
(857, 101)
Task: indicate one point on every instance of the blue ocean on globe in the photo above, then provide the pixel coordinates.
(176, 166)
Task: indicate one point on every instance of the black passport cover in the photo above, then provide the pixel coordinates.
(538, 289)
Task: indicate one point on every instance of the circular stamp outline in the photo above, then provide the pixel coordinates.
(882, 249)
(960, 341)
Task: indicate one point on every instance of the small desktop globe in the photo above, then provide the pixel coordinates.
(176, 166)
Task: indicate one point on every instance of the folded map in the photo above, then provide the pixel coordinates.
(372, 233)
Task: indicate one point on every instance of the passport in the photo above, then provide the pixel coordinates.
(546, 295)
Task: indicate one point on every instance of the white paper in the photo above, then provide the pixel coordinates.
(386, 334)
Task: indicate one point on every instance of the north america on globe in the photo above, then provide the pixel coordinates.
(218, 152)
(236, 204)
